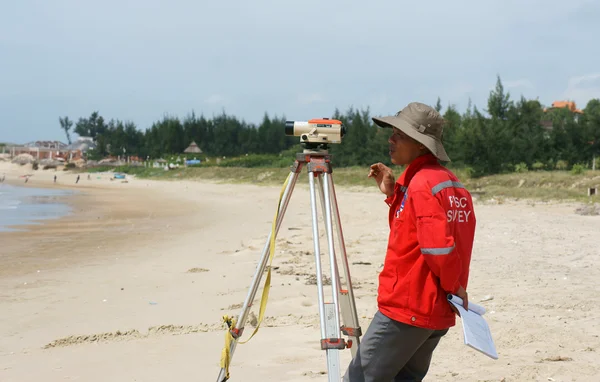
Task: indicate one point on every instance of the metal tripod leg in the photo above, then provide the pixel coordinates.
(327, 218)
(328, 312)
(351, 326)
(260, 269)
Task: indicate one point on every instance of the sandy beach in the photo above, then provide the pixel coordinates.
(133, 285)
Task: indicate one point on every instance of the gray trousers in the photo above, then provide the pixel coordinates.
(391, 351)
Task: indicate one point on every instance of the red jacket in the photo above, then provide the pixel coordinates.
(432, 227)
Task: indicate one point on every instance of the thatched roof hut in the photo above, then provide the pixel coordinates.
(193, 149)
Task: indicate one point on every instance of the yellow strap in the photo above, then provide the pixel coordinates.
(267, 286)
(226, 352)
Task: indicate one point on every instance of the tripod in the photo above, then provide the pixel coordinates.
(318, 163)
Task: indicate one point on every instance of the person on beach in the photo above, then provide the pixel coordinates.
(77, 181)
(54, 178)
(432, 227)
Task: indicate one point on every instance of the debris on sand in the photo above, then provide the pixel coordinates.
(588, 210)
(312, 280)
(101, 337)
(197, 270)
(558, 359)
(129, 335)
(252, 319)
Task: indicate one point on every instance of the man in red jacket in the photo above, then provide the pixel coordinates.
(432, 227)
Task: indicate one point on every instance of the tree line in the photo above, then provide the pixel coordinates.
(509, 135)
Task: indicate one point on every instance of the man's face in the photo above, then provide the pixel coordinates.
(403, 149)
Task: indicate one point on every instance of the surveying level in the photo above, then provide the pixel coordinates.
(318, 162)
(316, 131)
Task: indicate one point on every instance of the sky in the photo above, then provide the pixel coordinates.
(138, 60)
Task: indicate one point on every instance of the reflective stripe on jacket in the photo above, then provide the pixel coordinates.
(432, 227)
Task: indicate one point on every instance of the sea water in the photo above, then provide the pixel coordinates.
(30, 205)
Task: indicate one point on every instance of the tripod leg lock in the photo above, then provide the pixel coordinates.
(333, 343)
(236, 333)
(352, 332)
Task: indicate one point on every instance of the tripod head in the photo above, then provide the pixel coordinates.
(315, 148)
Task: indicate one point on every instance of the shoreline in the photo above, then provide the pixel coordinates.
(52, 196)
(103, 216)
(97, 219)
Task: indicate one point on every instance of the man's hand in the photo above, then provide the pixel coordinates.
(462, 293)
(383, 177)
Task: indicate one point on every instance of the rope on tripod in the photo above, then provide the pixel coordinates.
(226, 352)
(230, 321)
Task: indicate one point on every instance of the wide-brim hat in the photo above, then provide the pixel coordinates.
(420, 122)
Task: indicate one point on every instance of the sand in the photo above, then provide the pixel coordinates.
(132, 287)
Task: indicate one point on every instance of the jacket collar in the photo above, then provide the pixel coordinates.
(415, 166)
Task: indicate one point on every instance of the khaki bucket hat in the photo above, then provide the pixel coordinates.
(420, 122)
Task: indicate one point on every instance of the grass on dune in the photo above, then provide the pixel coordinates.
(539, 185)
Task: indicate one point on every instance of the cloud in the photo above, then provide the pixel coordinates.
(583, 88)
(521, 83)
(576, 81)
(215, 99)
(311, 98)
(513, 84)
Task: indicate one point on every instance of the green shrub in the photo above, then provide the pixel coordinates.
(93, 154)
(102, 168)
(521, 167)
(257, 160)
(562, 165)
(470, 172)
(577, 169)
(537, 166)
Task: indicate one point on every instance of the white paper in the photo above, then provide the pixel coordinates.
(475, 328)
(472, 306)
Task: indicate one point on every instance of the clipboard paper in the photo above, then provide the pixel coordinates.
(475, 329)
